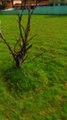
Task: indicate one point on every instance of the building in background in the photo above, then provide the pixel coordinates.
(29, 2)
(32, 3)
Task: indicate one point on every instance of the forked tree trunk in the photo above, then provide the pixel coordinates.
(22, 42)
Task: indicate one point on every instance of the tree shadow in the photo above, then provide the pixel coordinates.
(18, 82)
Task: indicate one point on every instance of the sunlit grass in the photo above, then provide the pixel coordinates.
(39, 90)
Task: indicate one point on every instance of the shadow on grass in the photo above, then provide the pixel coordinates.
(19, 81)
(16, 81)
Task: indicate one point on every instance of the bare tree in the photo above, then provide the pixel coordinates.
(19, 55)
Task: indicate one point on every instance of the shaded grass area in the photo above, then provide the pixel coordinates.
(39, 90)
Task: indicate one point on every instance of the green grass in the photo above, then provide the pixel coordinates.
(39, 90)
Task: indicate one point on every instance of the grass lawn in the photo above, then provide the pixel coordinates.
(39, 90)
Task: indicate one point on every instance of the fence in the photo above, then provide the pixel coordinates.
(41, 10)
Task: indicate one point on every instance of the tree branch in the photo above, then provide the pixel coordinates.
(7, 44)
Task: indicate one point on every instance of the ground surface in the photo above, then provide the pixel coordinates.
(38, 91)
